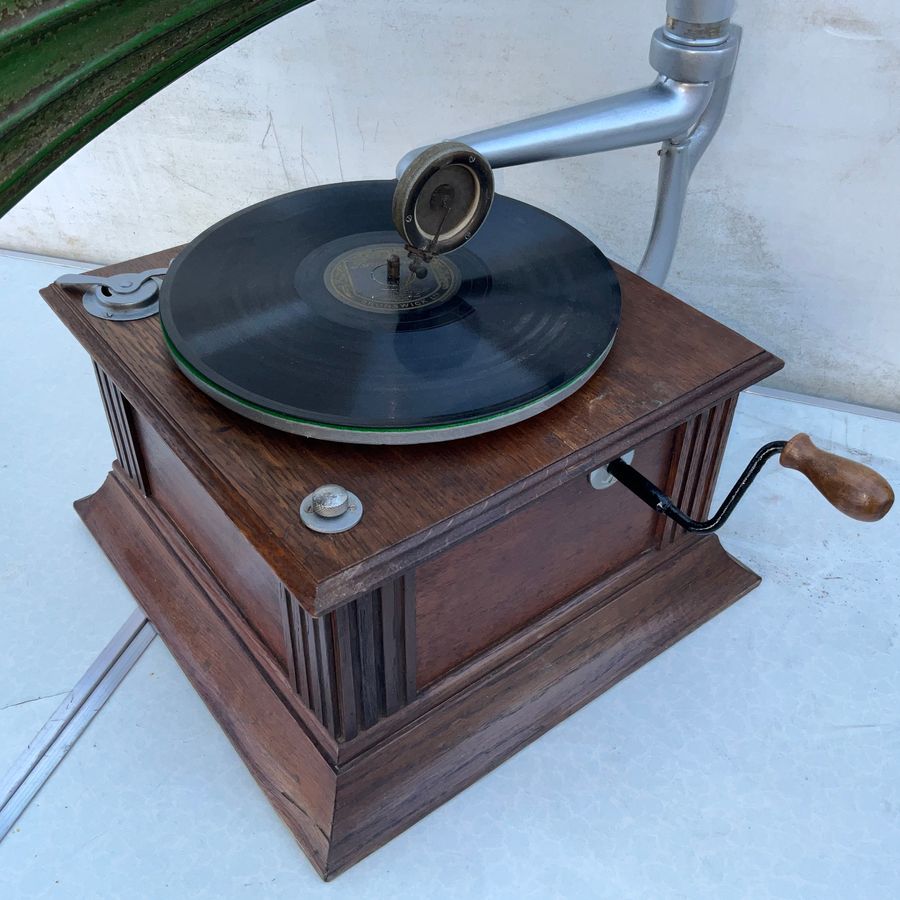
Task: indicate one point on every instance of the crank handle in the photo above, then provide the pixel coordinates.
(849, 486)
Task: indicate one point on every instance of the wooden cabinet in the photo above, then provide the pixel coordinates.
(487, 593)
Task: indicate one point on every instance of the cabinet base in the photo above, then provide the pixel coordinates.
(340, 812)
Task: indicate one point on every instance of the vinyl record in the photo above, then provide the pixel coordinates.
(285, 312)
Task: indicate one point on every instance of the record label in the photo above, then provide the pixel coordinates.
(360, 277)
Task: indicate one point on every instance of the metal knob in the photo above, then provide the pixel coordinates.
(331, 509)
(330, 501)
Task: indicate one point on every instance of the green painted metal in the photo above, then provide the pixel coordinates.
(70, 68)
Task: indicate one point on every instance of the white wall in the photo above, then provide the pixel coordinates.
(791, 228)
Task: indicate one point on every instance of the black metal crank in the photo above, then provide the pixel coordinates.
(854, 489)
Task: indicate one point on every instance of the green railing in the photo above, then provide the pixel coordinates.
(70, 69)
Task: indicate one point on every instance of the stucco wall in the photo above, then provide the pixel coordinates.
(791, 228)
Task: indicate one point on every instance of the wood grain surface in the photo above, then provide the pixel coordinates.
(488, 586)
(246, 577)
(356, 665)
(382, 792)
(668, 362)
(341, 812)
(276, 747)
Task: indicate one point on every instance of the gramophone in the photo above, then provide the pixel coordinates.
(407, 471)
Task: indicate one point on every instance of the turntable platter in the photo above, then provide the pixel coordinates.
(291, 314)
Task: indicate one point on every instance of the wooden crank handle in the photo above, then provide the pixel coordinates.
(854, 489)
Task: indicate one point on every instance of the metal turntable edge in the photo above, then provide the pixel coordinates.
(382, 436)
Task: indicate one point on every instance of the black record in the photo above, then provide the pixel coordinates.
(287, 312)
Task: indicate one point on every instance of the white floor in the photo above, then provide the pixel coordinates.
(760, 757)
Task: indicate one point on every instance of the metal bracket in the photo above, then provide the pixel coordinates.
(601, 479)
(120, 298)
(48, 748)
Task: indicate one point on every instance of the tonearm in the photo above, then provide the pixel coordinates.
(694, 54)
(444, 193)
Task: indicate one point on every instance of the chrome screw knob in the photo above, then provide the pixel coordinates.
(330, 501)
(331, 509)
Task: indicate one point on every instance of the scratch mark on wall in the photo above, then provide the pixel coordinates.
(262, 143)
(894, 134)
(337, 142)
(33, 700)
(307, 165)
(849, 25)
(274, 131)
(865, 725)
(851, 35)
(359, 129)
(184, 181)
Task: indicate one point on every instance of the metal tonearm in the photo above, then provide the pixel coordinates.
(694, 54)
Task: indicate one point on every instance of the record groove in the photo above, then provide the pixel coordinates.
(282, 313)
